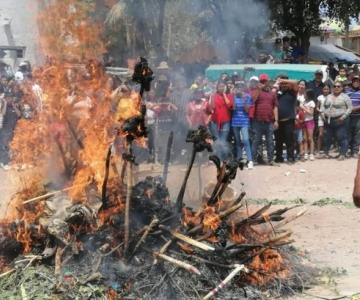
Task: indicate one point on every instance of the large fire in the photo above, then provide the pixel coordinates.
(71, 97)
(75, 116)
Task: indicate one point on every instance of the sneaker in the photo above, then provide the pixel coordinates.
(312, 157)
(341, 157)
(250, 165)
(273, 164)
(306, 156)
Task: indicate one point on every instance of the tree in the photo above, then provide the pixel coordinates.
(303, 17)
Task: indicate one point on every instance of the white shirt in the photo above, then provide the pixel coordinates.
(310, 104)
(301, 99)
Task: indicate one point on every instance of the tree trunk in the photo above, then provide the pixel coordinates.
(305, 43)
(159, 46)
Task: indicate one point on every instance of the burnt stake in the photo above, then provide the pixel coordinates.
(167, 157)
(201, 141)
(106, 178)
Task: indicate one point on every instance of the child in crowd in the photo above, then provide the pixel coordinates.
(342, 77)
(309, 124)
(240, 123)
(321, 99)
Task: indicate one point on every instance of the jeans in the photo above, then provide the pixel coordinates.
(242, 140)
(354, 134)
(267, 129)
(336, 130)
(285, 135)
(221, 135)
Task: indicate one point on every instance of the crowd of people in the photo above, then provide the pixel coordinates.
(258, 121)
(293, 120)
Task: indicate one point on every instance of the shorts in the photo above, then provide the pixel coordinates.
(309, 125)
(299, 135)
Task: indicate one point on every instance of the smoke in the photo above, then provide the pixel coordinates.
(234, 26)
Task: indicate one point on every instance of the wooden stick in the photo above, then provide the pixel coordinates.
(127, 205)
(42, 197)
(290, 219)
(277, 238)
(180, 197)
(167, 157)
(178, 263)
(187, 239)
(223, 283)
(58, 256)
(163, 249)
(106, 178)
(150, 227)
(7, 273)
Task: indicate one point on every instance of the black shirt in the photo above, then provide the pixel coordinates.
(317, 88)
(287, 105)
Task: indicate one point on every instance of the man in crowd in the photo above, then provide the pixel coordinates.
(286, 108)
(354, 134)
(316, 84)
(265, 118)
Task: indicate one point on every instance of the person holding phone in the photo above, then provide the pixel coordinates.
(220, 108)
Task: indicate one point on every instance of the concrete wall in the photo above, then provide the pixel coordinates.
(21, 15)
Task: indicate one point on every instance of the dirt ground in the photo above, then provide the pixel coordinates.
(328, 233)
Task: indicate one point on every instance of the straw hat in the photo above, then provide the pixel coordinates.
(163, 66)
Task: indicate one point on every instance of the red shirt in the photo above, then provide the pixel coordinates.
(264, 107)
(221, 111)
(197, 113)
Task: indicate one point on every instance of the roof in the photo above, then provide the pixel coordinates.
(332, 53)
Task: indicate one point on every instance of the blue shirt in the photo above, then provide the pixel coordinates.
(240, 117)
(355, 100)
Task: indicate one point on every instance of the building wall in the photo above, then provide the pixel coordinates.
(21, 15)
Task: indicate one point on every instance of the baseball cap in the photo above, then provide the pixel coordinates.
(254, 78)
(264, 77)
(356, 77)
(319, 72)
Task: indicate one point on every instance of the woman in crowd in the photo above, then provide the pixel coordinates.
(220, 108)
(309, 124)
(197, 111)
(240, 124)
(321, 99)
(301, 91)
(336, 109)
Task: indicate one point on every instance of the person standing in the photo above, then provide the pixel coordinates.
(337, 108)
(287, 113)
(354, 133)
(197, 111)
(309, 125)
(321, 121)
(265, 118)
(221, 105)
(317, 83)
(240, 124)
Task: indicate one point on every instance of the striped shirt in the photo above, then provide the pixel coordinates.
(355, 100)
(240, 118)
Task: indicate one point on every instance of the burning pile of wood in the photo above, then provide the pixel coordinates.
(141, 245)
